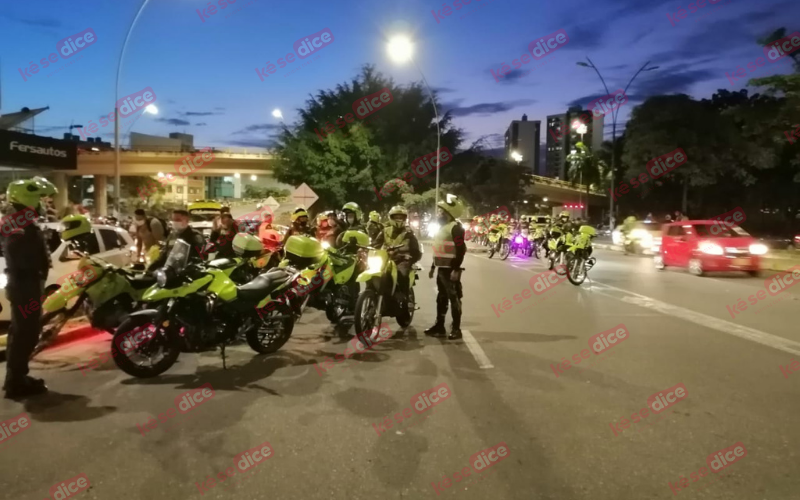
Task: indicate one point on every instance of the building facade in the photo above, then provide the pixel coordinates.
(522, 138)
(561, 139)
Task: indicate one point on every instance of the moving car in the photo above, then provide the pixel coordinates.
(202, 214)
(112, 244)
(707, 246)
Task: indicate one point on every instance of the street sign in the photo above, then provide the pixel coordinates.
(304, 196)
(271, 203)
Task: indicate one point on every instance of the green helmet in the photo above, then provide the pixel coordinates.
(74, 226)
(398, 210)
(374, 216)
(452, 205)
(247, 245)
(353, 207)
(28, 193)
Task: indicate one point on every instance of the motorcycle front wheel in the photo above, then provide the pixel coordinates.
(505, 250)
(138, 361)
(492, 250)
(336, 307)
(576, 270)
(367, 315)
(561, 266)
(405, 319)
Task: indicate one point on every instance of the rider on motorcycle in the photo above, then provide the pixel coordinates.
(299, 226)
(374, 226)
(398, 233)
(352, 213)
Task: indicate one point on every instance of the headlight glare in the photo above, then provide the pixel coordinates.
(758, 249)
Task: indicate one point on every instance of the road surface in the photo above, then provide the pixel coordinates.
(561, 426)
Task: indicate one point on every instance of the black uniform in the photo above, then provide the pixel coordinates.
(297, 230)
(28, 263)
(196, 241)
(449, 291)
(223, 243)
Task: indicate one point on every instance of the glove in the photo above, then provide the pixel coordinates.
(455, 275)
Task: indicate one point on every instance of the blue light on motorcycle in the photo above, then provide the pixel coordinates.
(518, 239)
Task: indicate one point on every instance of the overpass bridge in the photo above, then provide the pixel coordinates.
(228, 162)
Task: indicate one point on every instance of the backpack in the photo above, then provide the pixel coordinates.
(163, 224)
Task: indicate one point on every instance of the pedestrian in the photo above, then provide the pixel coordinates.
(27, 266)
(149, 231)
(183, 232)
(449, 250)
(222, 238)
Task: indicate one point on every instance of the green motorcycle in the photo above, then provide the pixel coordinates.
(105, 293)
(381, 296)
(557, 246)
(498, 241)
(195, 308)
(339, 294)
(579, 258)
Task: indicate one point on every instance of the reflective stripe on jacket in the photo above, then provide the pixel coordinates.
(444, 248)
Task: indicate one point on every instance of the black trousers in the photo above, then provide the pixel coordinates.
(449, 292)
(26, 326)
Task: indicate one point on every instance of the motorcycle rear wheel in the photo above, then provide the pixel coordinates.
(258, 337)
(505, 250)
(163, 339)
(52, 323)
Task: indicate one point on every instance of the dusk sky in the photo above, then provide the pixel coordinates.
(203, 72)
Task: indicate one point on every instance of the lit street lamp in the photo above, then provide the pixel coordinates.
(580, 128)
(401, 50)
(614, 115)
(516, 157)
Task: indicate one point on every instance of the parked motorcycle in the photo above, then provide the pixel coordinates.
(196, 307)
(381, 295)
(579, 259)
(105, 293)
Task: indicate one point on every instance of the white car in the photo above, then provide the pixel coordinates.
(113, 244)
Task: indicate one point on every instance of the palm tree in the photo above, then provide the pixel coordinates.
(584, 165)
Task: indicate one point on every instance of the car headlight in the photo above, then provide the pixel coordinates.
(616, 237)
(374, 263)
(758, 249)
(161, 278)
(3, 280)
(709, 248)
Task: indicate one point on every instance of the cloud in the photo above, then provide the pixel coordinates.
(254, 143)
(42, 22)
(488, 108)
(200, 124)
(258, 128)
(197, 113)
(173, 121)
(218, 108)
(443, 90)
(513, 75)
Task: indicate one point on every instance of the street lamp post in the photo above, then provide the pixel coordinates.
(614, 114)
(581, 129)
(400, 49)
(117, 189)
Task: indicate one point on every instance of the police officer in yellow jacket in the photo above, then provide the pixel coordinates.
(448, 255)
(398, 236)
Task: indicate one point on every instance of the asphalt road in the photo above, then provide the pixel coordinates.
(562, 426)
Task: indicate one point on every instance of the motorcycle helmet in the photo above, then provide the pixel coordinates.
(452, 205)
(374, 216)
(271, 240)
(300, 212)
(74, 226)
(29, 193)
(564, 216)
(303, 251)
(395, 216)
(355, 209)
(246, 245)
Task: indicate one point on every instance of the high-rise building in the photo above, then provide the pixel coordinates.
(522, 138)
(561, 139)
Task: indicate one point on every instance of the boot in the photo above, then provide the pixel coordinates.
(455, 333)
(26, 387)
(438, 329)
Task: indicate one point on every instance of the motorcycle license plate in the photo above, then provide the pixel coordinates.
(741, 262)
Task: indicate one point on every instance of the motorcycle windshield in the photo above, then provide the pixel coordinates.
(178, 256)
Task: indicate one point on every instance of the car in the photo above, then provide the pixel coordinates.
(707, 246)
(112, 244)
(202, 214)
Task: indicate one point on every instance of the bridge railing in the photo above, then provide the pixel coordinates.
(549, 181)
(173, 151)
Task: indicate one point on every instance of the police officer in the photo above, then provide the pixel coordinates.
(449, 249)
(299, 225)
(182, 231)
(28, 264)
(405, 253)
(374, 226)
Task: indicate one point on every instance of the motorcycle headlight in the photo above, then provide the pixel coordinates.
(374, 263)
(161, 278)
(755, 249)
(709, 248)
(3, 280)
(325, 245)
(518, 240)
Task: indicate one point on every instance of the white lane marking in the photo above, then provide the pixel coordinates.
(477, 352)
(721, 325)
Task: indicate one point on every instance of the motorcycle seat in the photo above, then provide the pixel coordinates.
(142, 281)
(263, 285)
